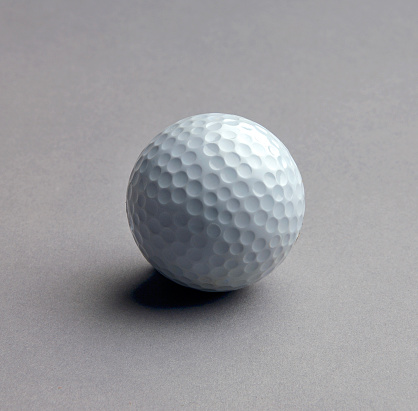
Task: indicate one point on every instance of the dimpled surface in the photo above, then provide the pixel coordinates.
(215, 202)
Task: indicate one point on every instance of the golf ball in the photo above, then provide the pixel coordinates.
(215, 202)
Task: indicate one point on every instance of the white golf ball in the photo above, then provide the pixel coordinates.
(215, 202)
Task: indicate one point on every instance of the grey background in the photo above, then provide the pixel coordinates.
(86, 324)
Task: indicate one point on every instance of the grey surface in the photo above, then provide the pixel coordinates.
(86, 324)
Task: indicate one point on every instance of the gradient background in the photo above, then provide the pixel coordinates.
(85, 323)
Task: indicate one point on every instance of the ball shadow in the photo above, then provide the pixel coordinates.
(158, 292)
